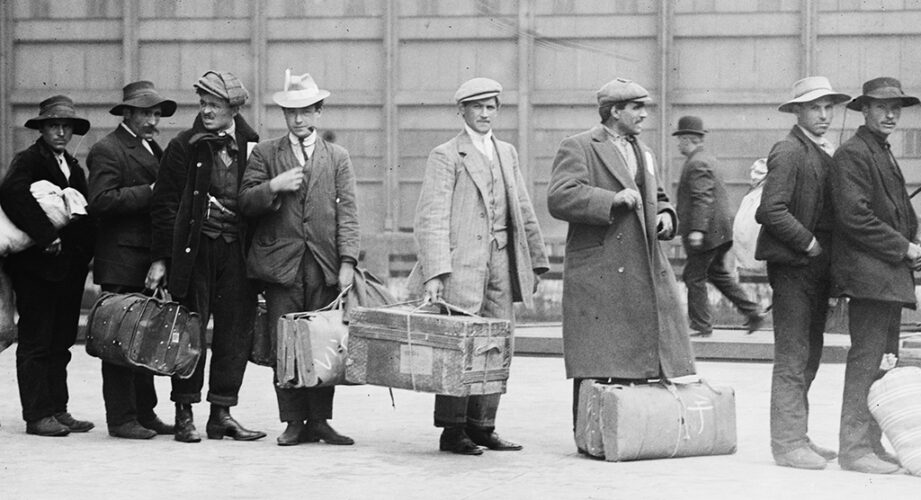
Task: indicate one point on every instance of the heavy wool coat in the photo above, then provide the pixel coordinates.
(703, 204)
(622, 315)
(324, 214)
(875, 223)
(452, 225)
(121, 174)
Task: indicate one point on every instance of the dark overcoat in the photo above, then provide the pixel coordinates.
(180, 197)
(324, 214)
(122, 171)
(703, 204)
(622, 314)
(874, 223)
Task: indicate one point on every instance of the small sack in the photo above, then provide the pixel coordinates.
(312, 347)
(59, 205)
(745, 231)
(895, 402)
(7, 310)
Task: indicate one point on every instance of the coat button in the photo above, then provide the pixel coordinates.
(198, 164)
(195, 192)
(620, 235)
(188, 250)
(478, 237)
(620, 269)
(482, 215)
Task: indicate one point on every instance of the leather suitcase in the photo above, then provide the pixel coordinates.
(895, 402)
(151, 333)
(656, 420)
(312, 347)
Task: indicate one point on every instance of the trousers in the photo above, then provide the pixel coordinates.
(705, 266)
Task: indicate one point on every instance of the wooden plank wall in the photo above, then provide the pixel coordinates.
(393, 66)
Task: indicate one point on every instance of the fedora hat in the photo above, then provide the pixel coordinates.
(300, 91)
(476, 89)
(59, 107)
(143, 95)
(809, 89)
(690, 125)
(883, 88)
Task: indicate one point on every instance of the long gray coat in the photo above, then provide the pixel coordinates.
(621, 308)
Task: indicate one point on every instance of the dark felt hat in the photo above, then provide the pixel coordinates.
(143, 95)
(883, 88)
(59, 107)
(690, 125)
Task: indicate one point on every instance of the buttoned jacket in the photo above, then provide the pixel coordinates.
(703, 204)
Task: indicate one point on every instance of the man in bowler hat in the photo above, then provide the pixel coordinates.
(875, 247)
(705, 226)
(123, 169)
(48, 277)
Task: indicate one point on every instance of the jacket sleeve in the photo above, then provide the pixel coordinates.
(19, 204)
(432, 225)
(256, 196)
(166, 196)
(701, 184)
(774, 211)
(536, 247)
(108, 193)
(348, 235)
(571, 195)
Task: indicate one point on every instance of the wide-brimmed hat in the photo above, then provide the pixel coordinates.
(622, 90)
(883, 88)
(143, 95)
(690, 125)
(476, 89)
(59, 107)
(223, 84)
(809, 89)
(300, 91)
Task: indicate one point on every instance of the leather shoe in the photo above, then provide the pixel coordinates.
(294, 434)
(185, 431)
(67, 420)
(455, 440)
(159, 426)
(869, 464)
(700, 335)
(491, 440)
(755, 321)
(317, 430)
(221, 424)
(131, 430)
(825, 453)
(48, 426)
(801, 458)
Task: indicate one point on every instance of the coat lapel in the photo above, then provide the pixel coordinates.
(138, 153)
(473, 162)
(612, 159)
(319, 160)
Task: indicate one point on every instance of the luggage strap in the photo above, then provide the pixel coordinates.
(683, 430)
(335, 304)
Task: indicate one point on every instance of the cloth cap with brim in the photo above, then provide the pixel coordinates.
(299, 91)
(622, 90)
(225, 85)
(143, 95)
(476, 89)
(59, 107)
(883, 88)
(809, 89)
(690, 125)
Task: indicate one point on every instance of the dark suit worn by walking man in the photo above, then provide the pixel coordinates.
(123, 169)
(201, 238)
(705, 226)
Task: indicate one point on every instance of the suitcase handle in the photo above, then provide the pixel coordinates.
(335, 304)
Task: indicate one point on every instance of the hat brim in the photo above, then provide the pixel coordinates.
(857, 103)
(480, 96)
(694, 132)
(167, 106)
(836, 97)
(291, 100)
(81, 125)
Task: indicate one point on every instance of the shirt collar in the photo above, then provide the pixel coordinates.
(812, 137)
(127, 129)
(230, 131)
(478, 137)
(614, 135)
(310, 140)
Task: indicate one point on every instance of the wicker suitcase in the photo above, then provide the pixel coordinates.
(895, 402)
(657, 420)
(405, 348)
(312, 347)
(151, 333)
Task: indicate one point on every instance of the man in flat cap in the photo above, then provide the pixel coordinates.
(705, 226)
(200, 237)
(123, 169)
(622, 318)
(48, 277)
(875, 247)
(797, 218)
(480, 247)
(300, 190)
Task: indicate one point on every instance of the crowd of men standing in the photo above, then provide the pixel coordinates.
(219, 216)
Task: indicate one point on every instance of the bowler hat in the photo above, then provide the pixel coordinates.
(143, 95)
(223, 84)
(690, 125)
(809, 89)
(59, 107)
(622, 90)
(883, 88)
(299, 91)
(476, 89)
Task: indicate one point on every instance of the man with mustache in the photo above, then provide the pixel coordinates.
(123, 169)
(200, 237)
(875, 247)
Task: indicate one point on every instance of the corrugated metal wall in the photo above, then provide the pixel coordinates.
(393, 66)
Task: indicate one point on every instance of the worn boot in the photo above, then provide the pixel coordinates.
(185, 425)
(221, 424)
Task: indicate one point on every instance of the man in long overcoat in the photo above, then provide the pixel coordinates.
(874, 249)
(622, 316)
(480, 247)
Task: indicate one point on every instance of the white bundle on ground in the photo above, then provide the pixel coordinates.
(895, 402)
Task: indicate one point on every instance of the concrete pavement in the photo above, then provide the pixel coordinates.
(396, 455)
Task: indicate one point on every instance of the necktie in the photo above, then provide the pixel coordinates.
(304, 149)
(65, 169)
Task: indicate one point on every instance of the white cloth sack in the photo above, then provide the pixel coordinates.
(60, 206)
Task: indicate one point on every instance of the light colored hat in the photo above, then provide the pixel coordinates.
(59, 107)
(882, 88)
(225, 85)
(143, 95)
(622, 90)
(809, 89)
(300, 91)
(476, 89)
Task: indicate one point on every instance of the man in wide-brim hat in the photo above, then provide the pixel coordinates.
(305, 244)
(795, 240)
(875, 249)
(123, 168)
(48, 277)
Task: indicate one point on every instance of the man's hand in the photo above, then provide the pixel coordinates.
(346, 275)
(695, 238)
(664, 225)
(156, 275)
(536, 283)
(433, 289)
(54, 248)
(289, 180)
(815, 249)
(627, 198)
(913, 255)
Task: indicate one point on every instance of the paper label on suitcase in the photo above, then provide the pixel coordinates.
(416, 360)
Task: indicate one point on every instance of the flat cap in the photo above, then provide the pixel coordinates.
(225, 85)
(622, 90)
(476, 89)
